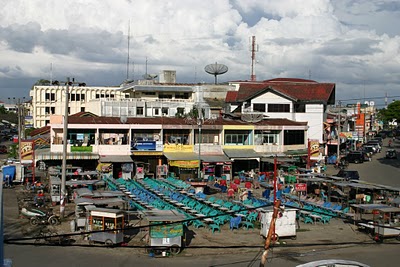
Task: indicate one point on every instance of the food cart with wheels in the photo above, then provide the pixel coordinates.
(388, 224)
(164, 234)
(109, 224)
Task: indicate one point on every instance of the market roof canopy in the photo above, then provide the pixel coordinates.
(215, 158)
(241, 153)
(116, 158)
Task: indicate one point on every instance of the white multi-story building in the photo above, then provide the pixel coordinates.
(284, 98)
(50, 100)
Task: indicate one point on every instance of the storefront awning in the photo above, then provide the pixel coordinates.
(181, 155)
(242, 154)
(45, 154)
(215, 158)
(187, 160)
(115, 158)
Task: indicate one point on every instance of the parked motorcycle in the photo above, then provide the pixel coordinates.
(38, 217)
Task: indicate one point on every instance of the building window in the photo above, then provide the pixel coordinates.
(69, 110)
(300, 108)
(180, 112)
(47, 110)
(207, 137)
(112, 96)
(293, 137)
(181, 95)
(97, 96)
(259, 107)
(78, 97)
(238, 137)
(278, 108)
(266, 137)
(165, 96)
(82, 97)
(164, 111)
(50, 96)
(149, 93)
(72, 97)
(176, 137)
(139, 111)
(46, 122)
(156, 112)
(52, 110)
(82, 109)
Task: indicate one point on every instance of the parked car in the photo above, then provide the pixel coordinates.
(376, 144)
(355, 157)
(369, 149)
(349, 175)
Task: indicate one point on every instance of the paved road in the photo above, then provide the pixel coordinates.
(374, 255)
(380, 170)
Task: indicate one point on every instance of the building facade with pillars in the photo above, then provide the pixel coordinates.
(225, 143)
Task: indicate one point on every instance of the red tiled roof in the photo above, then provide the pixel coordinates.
(43, 130)
(231, 96)
(297, 89)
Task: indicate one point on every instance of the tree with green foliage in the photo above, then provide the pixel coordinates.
(392, 112)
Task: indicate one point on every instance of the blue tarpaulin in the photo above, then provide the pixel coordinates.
(9, 173)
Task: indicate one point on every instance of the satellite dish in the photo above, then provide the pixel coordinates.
(216, 69)
(150, 76)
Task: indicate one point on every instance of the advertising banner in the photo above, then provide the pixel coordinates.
(26, 151)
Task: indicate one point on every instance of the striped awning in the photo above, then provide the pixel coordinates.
(59, 156)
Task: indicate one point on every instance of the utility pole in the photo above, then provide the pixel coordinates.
(338, 131)
(199, 124)
(64, 159)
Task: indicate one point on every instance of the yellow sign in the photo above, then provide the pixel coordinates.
(178, 148)
(26, 150)
(147, 153)
(314, 148)
(188, 164)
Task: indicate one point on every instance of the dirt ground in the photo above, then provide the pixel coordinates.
(338, 231)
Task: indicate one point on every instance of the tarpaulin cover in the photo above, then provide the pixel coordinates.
(9, 173)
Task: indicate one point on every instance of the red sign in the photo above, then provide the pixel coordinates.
(301, 187)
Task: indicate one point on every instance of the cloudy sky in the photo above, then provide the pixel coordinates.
(353, 43)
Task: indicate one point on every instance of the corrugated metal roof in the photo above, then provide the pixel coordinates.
(241, 153)
(115, 158)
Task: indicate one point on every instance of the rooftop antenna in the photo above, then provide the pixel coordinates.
(127, 63)
(254, 49)
(51, 73)
(216, 69)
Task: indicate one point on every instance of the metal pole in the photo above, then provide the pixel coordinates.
(275, 178)
(338, 133)
(271, 233)
(64, 159)
(199, 123)
(1, 224)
